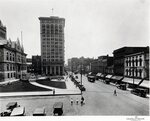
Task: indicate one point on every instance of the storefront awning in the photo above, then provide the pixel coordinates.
(145, 83)
(108, 76)
(98, 74)
(102, 75)
(118, 78)
(130, 80)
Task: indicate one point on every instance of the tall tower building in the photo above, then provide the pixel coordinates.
(52, 45)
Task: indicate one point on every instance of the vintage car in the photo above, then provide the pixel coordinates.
(11, 105)
(139, 91)
(5, 113)
(18, 111)
(58, 108)
(39, 112)
(122, 86)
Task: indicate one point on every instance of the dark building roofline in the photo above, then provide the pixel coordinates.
(50, 18)
(127, 47)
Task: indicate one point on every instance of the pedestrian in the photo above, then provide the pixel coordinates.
(71, 101)
(115, 92)
(82, 100)
(77, 101)
(53, 91)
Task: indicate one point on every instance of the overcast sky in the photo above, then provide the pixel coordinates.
(92, 27)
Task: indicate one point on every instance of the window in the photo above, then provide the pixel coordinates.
(7, 67)
(140, 60)
(10, 57)
(7, 56)
(8, 75)
(13, 57)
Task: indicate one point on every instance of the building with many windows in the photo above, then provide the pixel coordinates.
(119, 57)
(52, 45)
(12, 60)
(137, 65)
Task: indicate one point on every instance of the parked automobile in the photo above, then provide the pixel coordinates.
(11, 105)
(91, 78)
(122, 86)
(5, 113)
(107, 81)
(18, 111)
(58, 108)
(139, 91)
(39, 112)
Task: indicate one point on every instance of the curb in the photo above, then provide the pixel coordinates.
(38, 95)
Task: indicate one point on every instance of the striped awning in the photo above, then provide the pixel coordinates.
(98, 74)
(145, 83)
(117, 78)
(108, 76)
(130, 80)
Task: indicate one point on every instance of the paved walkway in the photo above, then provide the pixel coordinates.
(70, 90)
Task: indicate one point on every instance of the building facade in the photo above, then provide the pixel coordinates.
(119, 57)
(12, 60)
(52, 45)
(2, 31)
(137, 65)
(102, 65)
(36, 64)
(29, 65)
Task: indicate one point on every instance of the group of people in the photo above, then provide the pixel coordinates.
(77, 101)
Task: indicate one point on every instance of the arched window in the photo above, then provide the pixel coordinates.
(140, 71)
(136, 61)
(7, 56)
(13, 57)
(136, 72)
(7, 67)
(140, 60)
(10, 57)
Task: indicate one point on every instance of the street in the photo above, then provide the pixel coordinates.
(99, 100)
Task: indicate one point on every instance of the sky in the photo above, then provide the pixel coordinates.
(92, 27)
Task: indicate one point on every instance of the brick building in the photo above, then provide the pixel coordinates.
(119, 57)
(12, 60)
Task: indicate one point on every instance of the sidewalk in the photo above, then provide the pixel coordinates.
(8, 81)
(71, 90)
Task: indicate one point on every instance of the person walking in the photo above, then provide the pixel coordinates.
(115, 92)
(82, 100)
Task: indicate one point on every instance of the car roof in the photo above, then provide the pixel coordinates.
(58, 105)
(39, 110)
(11, 104)
(18, 111)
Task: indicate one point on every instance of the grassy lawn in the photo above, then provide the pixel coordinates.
(56, 84)
(20, 86)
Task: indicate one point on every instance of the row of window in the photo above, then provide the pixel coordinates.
(136, 62)
(11, 57)
(135, 72)
(10, 67)
(51, 60)
(133, 57)
(11, 75)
